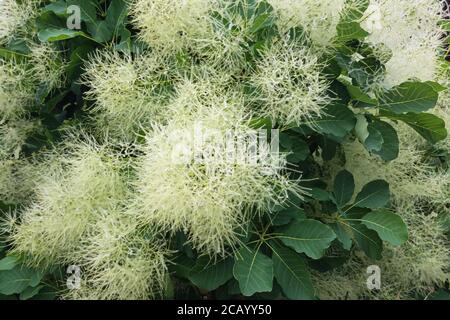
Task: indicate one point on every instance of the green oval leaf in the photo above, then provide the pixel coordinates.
(338, 120)
(383, 140)
(16, 280)
(210, 276)
(52, 35)
(374, 195)
(344, 187)
(389, 226)
(410, 97)
(368, 241)
(292, 273)
(8, 263)
(310, 237)
(254, 271)
(429, 126)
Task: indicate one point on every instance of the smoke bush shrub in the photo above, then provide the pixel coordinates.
(224, 149)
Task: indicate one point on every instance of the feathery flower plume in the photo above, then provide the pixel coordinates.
(293, 89)
(188, 181)
(226, 47)
(171, 25)
(16, 89)
(119, 262)
(206, 89)
(13, 136)
(14, 15)
(81, 180)
(318, 18)
(410, 31)
(46, 65)
(127, 92)
(17, 181)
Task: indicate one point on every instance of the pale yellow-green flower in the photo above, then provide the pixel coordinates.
(14, 15)
(13, 136)
(318, 18)
(119, 262)
(20, 80)
(207, 90)
(46, 65)
(16, 89)
(17, 181)
(187, 180)
(291, 85)
(80, 181)
(410, 31)
(128, 92)
(171, 25)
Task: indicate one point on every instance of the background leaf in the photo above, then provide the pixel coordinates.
(344, 187)
(389, 226)
(368, 241)
(8, 263)
(382, 140)
(254, 271)
(292, 273)
(16, 280)
(374, 195)
(429, 126)
(410, 97)
(310, 237)
(209, 276)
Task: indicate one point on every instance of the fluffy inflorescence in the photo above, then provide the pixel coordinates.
(319, 18)
(214, 31)
(290, 84)
(13, 136)
(172, 25)
(206, 89)
(289, 74)
(16, 91)
(19, 85)
(128, 92)
(20, 80)
(46, 65)
(17, 181)
(69, 196)
(78, 218)
(14, 15)
(410, 31)
(119, 262)
(193, 171)
(190, 175)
